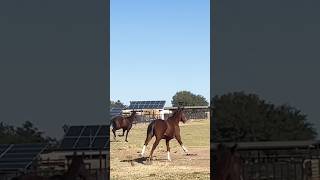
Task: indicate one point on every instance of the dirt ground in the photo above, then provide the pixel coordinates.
(126, 163)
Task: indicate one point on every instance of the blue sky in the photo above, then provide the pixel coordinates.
(159, 47)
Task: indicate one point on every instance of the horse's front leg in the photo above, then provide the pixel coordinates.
(128, 129)
(178, 137)
(114, 134)
(127, 135)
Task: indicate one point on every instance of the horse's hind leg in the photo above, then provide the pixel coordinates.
(150, 134)
(155, 144)
(123, 130)
(146, 142)
(178, 137)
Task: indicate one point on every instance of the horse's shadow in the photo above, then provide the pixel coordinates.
(144, 160)
(116, 141)
(189, 154)
(140, 160)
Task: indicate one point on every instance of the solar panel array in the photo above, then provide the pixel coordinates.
(94, 137)
(19, 156)
(115, 112)
(147, 104)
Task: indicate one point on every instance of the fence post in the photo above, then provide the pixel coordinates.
(100, 160)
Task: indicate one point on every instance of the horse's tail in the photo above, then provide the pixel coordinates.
(150, 132)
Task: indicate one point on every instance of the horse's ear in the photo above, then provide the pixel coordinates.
(234, 148)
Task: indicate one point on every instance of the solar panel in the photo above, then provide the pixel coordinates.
(90, 131)
(115, 112)
(13, 166)
(85, 137)
(68, 143)
(19, 156)
(3, 147)
(83, 142)
(74, 130)
(100, 142)
(146, 104)
(104, 131)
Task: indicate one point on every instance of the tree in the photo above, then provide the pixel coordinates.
(186, 98)
(27, 133)
(116, 104)
(246, 117)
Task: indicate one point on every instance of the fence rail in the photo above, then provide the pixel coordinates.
(189, 115)
(277, 160)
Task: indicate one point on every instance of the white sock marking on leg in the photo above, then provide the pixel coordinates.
(143, 149)
(184, 148)
(169, 158)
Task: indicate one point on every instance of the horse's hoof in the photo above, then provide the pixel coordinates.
(126, 140)
(149, 162)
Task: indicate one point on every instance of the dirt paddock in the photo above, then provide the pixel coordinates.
(126, 163)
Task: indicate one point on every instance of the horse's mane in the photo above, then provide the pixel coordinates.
(131, 117)
(176, 112)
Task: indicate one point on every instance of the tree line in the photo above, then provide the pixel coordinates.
(247, 117)
(26, 133)
(180, 98)
(238, 116)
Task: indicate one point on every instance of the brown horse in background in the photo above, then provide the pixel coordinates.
(307, 169)
(75, 171)
(165, 129)
(124, 123)
(229, 164)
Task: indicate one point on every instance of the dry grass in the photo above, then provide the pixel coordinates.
(126, 163)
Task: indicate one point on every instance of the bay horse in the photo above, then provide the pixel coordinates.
(307, 169)
(229, 164)
(124, 123)
(76, 170)
(165, 129)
